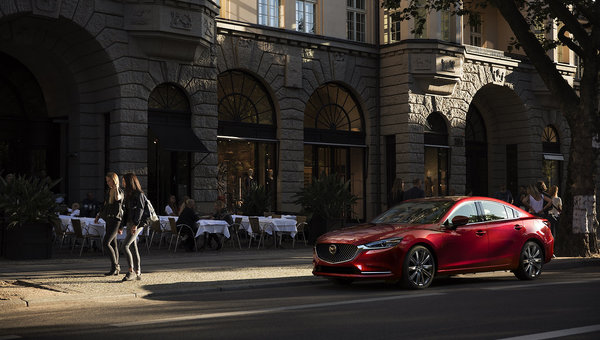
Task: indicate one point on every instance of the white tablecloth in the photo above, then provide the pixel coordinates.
(270, 225)
(88, 226)
(212, 227)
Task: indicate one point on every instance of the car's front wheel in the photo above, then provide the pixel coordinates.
(531, 262)
(418, 269)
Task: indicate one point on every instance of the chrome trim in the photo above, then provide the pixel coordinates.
(375, 273)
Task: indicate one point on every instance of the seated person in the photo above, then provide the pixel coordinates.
(74, 211)
(188, 216)
(171, 209)
(220, 213)
(90, 206)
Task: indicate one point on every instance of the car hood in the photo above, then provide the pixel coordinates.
(369, 232)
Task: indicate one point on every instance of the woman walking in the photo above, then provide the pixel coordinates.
(134, 204)
(535, 201)
(112, 213)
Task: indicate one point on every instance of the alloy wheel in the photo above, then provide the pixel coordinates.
(420, 267)
(532, 260)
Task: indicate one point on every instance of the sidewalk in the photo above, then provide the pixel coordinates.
(70, 279)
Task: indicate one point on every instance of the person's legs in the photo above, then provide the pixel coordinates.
(110, 238)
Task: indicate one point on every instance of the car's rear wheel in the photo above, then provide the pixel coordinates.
(531, 262)
(418, 269)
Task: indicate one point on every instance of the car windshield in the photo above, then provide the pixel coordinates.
(415, 212)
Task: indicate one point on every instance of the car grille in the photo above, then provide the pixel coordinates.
(343, 253)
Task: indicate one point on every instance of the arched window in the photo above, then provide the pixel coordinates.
(245, 106)
(552, 161)
(247, 144)
(334, 139)
(168, 98)
(436, 155)
(171, 143)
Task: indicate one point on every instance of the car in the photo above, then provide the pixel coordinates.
(417, 240)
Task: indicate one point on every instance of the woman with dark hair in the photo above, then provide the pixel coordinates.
(112, 213)
(134, 206)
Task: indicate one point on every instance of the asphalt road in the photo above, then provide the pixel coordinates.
(485, 306)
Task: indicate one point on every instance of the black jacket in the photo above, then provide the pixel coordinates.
(134, 206)
(189, 217)
(112, 210)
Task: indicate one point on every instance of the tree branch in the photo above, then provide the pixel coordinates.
(546, 68)
(571, 22)
(569, 42)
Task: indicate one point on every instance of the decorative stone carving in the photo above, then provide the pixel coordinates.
(181, 20)
(436, 73)
(498, 75)
(160, 30)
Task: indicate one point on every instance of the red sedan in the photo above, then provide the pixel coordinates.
(418, 239)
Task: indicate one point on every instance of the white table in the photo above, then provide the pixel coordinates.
(212, 227)
(270, 225)
(88, 226)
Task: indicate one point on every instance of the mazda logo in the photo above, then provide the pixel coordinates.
(332, 249)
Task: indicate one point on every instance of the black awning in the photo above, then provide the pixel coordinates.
(176, 138)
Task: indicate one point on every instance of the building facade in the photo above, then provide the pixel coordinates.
(203, 99)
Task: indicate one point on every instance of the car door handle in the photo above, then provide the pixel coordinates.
(518, 227)
(480, 232)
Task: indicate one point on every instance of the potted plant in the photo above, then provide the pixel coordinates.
(256, 201)
(325, 201)
(29, 211)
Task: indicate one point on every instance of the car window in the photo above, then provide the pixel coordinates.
(466, 209)
(493, 211)
(415, 212)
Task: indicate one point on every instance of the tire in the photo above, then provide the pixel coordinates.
(531, 261)
(418, 269)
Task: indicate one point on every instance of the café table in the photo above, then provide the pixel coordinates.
(270, 225)
(212, 227)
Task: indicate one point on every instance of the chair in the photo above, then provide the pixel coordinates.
(256, 231)
(234, 231)
(59, 233)
(182, 227)
(155, 229)
(79, 234)
(174, 233)
(301, 228)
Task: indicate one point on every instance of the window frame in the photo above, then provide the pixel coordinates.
(356, 31)
(273, 8)
(304, 6)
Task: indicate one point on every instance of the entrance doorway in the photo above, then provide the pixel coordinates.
(476, 150)
(29, 139)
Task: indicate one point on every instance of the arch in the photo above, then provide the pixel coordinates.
(243, 98)
(435, 130)
(334, 138)
(247, 145)
(171, 143)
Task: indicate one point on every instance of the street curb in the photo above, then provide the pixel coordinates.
(203, 288)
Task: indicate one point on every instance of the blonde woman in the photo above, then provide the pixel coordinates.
(112, 213)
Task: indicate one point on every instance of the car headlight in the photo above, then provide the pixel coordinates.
(381, 244)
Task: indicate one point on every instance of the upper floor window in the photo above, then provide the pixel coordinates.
(356, 21)
(445, 25)
(268, 13)
(395, 33)
(475, 31)
(306, 15)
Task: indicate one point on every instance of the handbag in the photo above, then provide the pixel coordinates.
(149, 212)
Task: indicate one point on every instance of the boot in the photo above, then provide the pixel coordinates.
(113, 271)
(130, 276)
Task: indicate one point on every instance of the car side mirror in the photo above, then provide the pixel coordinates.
(457, 221)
